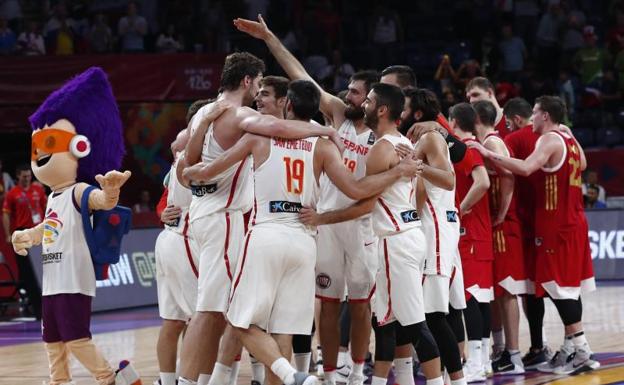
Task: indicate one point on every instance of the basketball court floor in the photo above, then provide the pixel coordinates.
(132, 334)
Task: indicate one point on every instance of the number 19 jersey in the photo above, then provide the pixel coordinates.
(285, 182)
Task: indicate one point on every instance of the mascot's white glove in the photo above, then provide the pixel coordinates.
(23, 240)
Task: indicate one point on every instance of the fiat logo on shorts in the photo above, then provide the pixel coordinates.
(323, 281)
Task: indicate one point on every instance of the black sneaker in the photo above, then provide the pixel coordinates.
(508, 364)
(534, 358)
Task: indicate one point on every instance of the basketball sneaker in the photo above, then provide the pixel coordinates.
(487, 368)
(342, 373)
(127, 375)
(533, 358)
(355, 379)
(578, 362)
(508, 363)
(305, 379)
(558, 360)
(473, 372)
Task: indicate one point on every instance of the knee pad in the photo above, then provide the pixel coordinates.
(302, 343)
(423, 341)
(385, 341)
(570, 310)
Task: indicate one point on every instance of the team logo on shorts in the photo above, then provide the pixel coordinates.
(284, 207)
(409, 216)
(203, 189)
(451, 216)
(323, 281)
(538, 241)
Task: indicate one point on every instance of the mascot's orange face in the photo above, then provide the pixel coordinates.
(55, 152)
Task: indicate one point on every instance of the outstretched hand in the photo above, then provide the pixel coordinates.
(113, 180)
(257, 29)
(479, 147)
(22, 241)
(309, 217)
(216, 109)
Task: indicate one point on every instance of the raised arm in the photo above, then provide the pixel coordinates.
(330, 105)
(206, 171)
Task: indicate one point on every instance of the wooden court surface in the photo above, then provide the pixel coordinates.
(603, 316)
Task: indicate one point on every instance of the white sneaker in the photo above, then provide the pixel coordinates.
(342, 373)
(473, 372)
(558, 360)
(487, 369)
(356, 379)
(578, 362)
(127, 375)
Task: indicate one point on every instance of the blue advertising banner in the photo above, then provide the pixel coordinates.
(606, 240)
(132, 281)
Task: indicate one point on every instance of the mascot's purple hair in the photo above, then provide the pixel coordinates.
(87, 101)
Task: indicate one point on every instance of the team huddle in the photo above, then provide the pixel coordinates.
(428, 229)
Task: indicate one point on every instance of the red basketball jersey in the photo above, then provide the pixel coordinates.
(502, 127)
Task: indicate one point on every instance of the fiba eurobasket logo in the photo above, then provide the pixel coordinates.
(52, 227)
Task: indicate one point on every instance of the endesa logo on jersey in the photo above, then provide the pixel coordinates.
(284, 207)
(409, 216)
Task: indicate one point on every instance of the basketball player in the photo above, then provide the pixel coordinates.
(563, 261)
(217, 206)
(401, 76)
(509, 273)
(404, 243)
(475, 244)
(271, 98)
(285, 304)
(521, 142)
(346, 251)
(481, 88)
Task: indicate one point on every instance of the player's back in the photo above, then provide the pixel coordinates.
(178, 196)
(395, 210)
(233, 188)
(285, 182)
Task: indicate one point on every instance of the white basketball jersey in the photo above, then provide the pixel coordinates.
(67, 265)
(230, 190)
(178, 196)
(285, 182)
(440, 223)
(354, 157)
(395, 210)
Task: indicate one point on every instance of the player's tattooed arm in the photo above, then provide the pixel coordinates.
(330, 105)
(544, 148)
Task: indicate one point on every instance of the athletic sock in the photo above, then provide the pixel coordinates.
(257, 370)
(403, 371)
(499, 340)
(302, 361)
(343, 359)
(435, 381)
(474, 352)
(461, 381)
(580, 341)
(184, 381)
(220, 375)
(235, 370)
(485, 350)
(379, 381)
(203, 379)
(167, 378)
(282, 369)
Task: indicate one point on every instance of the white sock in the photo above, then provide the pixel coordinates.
(343, 359)
(203, 379)
(330, 377)
(184, 381)
(379, 381)
(257, 370)
(568, 345)
(580, 341)
(167, 378)
(461, 381)
(485, 350)
(544, 340)
(403, 371)
(357, 369)
(282, 368)
(499, 339)
(435, 381)
(220, 375)
(474, 353)
(234, 374)
(302, 362)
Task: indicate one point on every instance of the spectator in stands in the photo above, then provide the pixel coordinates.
(23, 208)
(615, 36)
(591, 179)
(132, 29)
(513, 52)
(31, 42)
(467, 71)
(445, 74)
(548, 41)
(591, 199)
(6, 182)
(567, 92)
(11, 11)
(8, 41)
(618, 66)
(590, 60)
(339, 72)
(386, 35)
(100, 36)
(145, 204)
(610, 94)
(572, 39)
(59, 31)
(169, 41)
